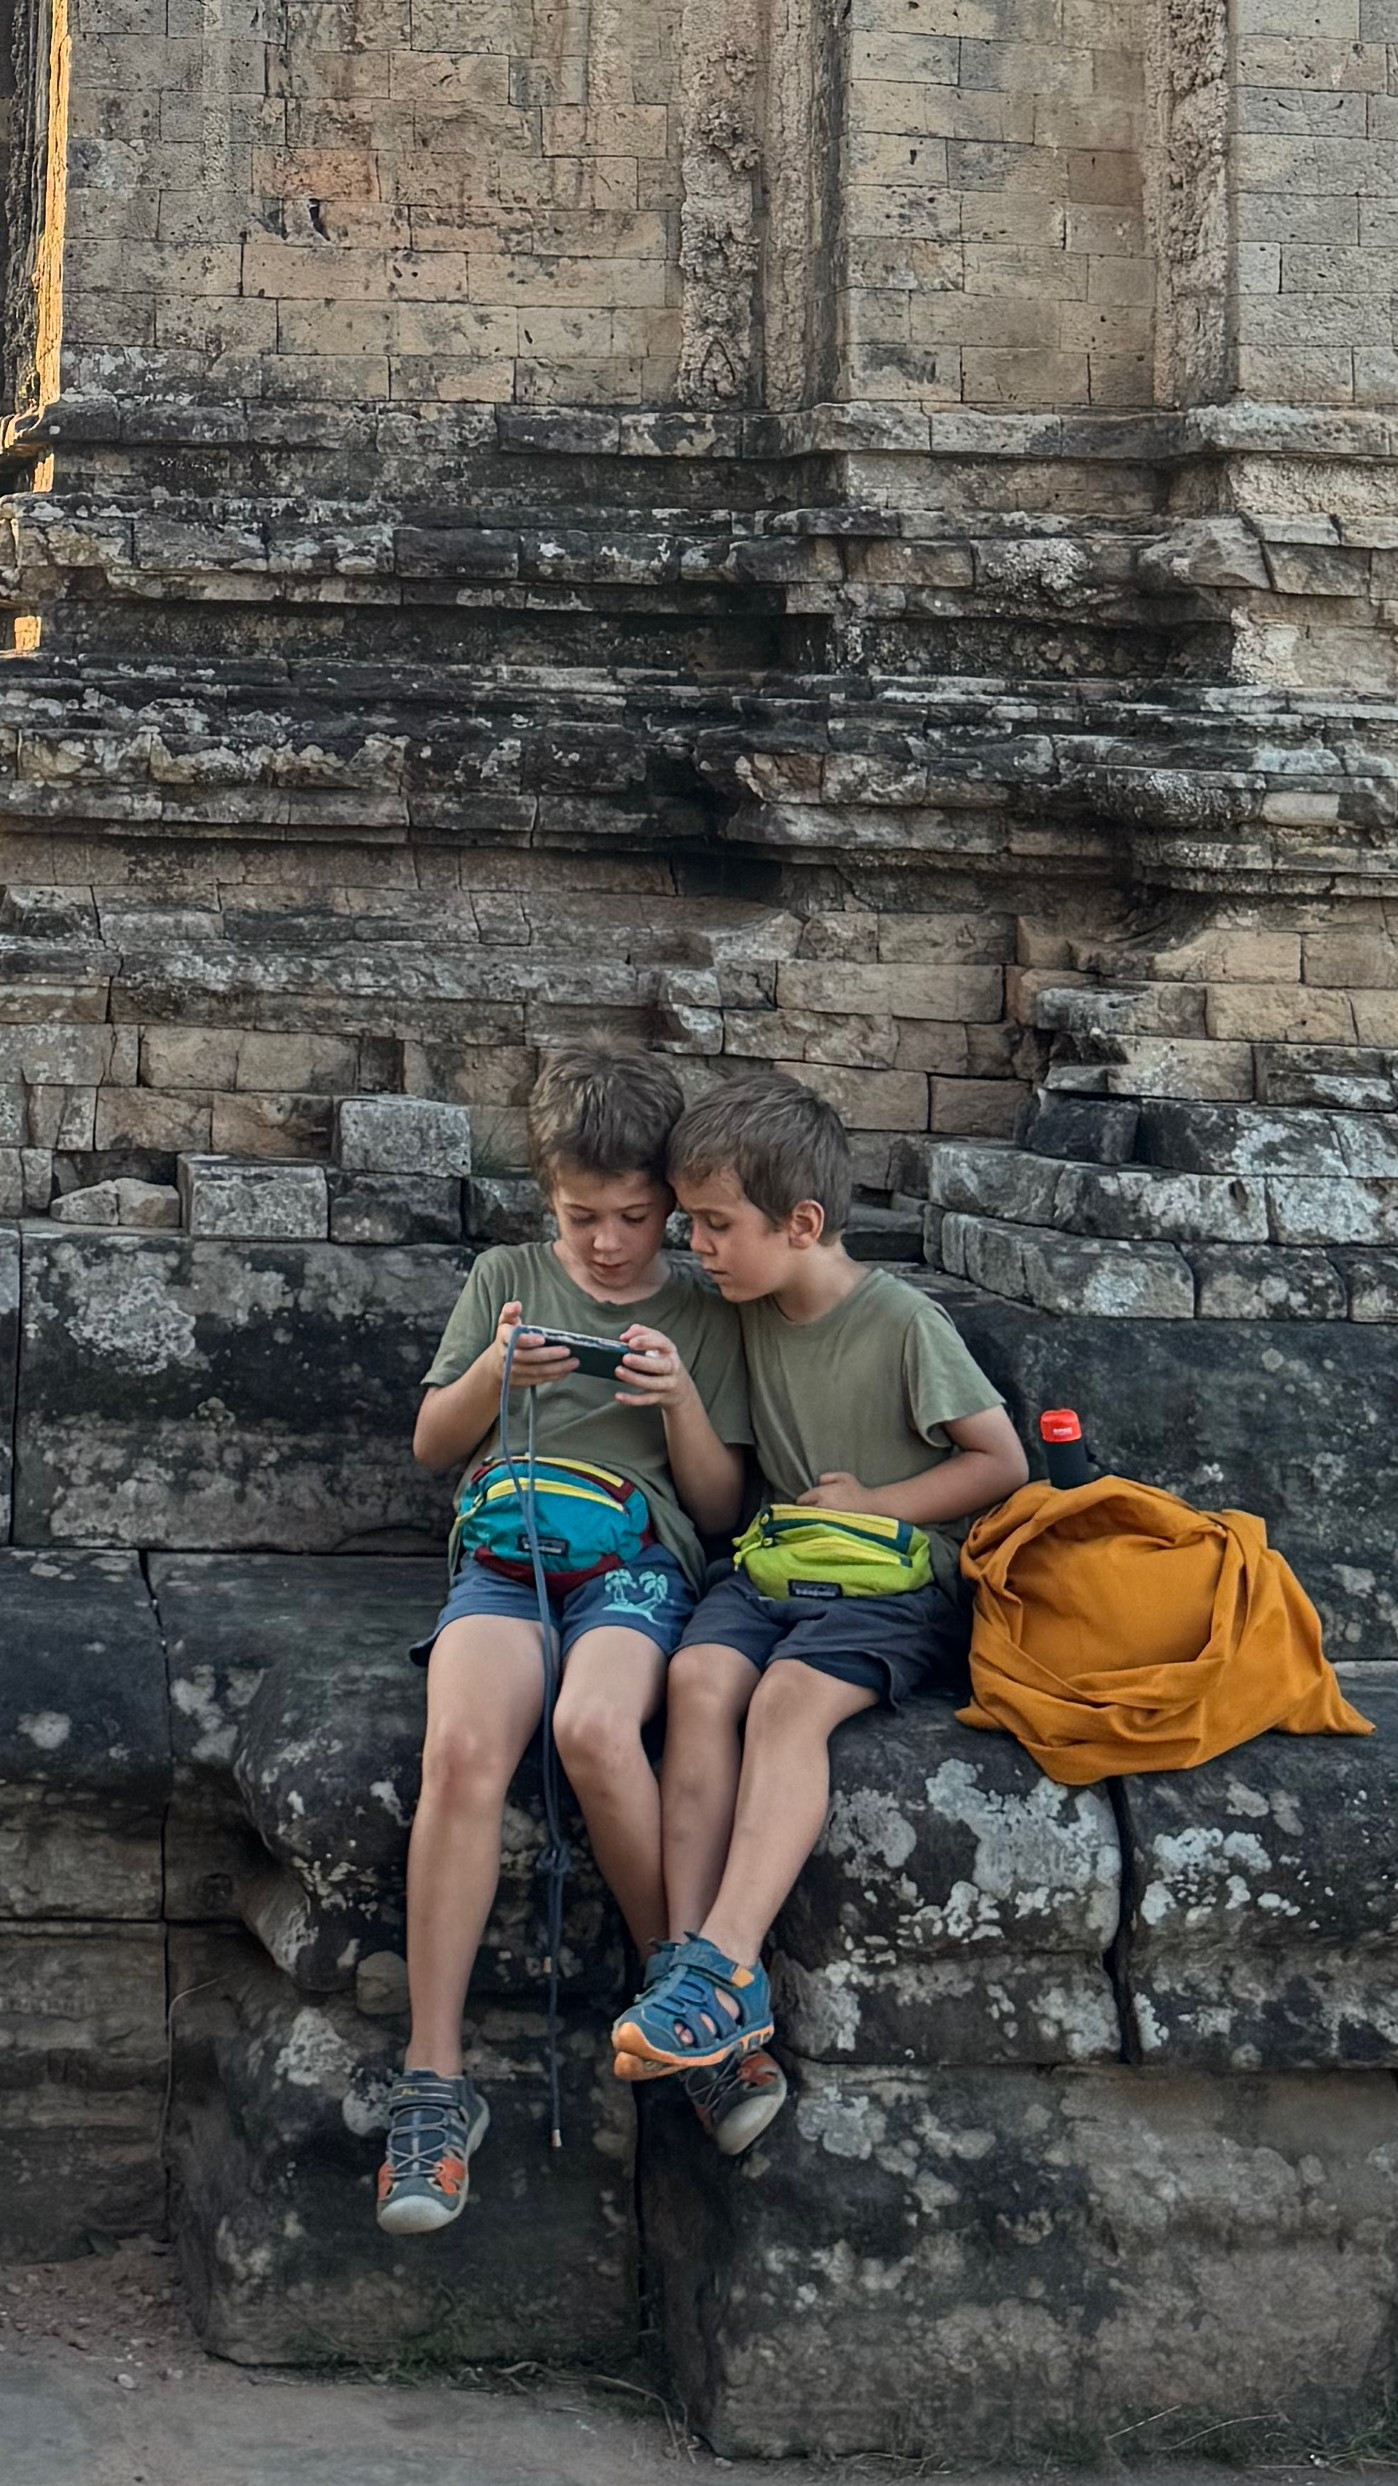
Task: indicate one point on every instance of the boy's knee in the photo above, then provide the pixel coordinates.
(462, 1767)
(594, 1741)
(696, 1689)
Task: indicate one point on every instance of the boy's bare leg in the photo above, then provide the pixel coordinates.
(783, 1795)
(485, 1695)
(613, 1682)
(707, 1697)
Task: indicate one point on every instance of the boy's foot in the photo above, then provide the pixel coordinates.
(703, 2009)
(736, 2102)
(435, 2126)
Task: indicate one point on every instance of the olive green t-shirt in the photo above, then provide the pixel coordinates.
(870, 1388)
(578, 1417)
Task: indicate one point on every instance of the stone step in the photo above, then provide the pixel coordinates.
(1351, 1078)
(994, 1179)
(1254, 1139)
(986, 1178)
(953, 1964)
(1064, 1273)
(1210, 1138)
(1188, 1066)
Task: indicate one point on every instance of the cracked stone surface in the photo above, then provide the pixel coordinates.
(277, 2132)
(186, 1393)
(997, 2247)
(9, 1366)
(84, 1738)
(1265, 1914)
(957, 1909)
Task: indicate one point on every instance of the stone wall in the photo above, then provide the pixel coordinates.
(996, 252)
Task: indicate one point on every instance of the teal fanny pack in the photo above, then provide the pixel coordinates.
(588, 1519)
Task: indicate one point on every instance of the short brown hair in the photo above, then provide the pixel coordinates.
(781, 1141)
(605, 1113)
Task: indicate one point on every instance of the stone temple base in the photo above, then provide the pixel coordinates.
(966, 2263)
(1092, 2105)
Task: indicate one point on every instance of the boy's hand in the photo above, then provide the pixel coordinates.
(653, 1369)
(534, 1362)
(837, 1490)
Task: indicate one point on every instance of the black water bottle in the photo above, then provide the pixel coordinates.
(1065, 1451)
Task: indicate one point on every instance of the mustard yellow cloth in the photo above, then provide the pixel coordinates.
(1118, 1630)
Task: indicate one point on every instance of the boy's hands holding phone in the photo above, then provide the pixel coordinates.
(653, 1371)
(534, 1361)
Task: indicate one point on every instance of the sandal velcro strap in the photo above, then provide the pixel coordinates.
(681, 2021)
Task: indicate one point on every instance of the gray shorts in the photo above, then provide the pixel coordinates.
(913, 1641)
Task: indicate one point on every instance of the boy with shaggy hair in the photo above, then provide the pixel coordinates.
(864, 1400)
(599, 1127)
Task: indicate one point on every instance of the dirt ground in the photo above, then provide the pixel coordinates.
(102, 2383)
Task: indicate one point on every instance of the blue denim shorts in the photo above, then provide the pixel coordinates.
(653, 1596)
(914, 1641)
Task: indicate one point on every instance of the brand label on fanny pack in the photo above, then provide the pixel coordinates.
(814, 1588)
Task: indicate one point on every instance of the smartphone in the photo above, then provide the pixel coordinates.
(602, 1357)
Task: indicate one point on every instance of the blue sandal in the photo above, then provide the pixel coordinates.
(679, 2023)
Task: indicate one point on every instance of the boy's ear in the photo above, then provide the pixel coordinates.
(805, 1225)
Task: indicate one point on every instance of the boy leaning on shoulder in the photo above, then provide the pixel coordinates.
(639, 1470)
(877, 1429)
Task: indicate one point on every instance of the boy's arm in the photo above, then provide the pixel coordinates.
(708, 1473)
(455, 1418)
(987, 1463)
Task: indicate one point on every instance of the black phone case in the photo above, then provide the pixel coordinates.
(597, 1356)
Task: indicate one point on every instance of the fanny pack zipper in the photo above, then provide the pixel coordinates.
(898, 1543)
(596, 1486)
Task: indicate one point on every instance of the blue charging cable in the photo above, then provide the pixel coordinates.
(555, 1862)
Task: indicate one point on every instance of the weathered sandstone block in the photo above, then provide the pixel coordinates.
(1101, 1133)
(227, 1619)
(1264, 1929)
(394, 1208)
(990, 2256)
(9, 1365)
(1066, 1273)
(82, 2070)
(502, 1208)
(339, 1836)
(957, 1909)
(205, 1393)
(276, 2136)
(1246, 1282)
(84, 1738)
(224, 1196)
(403, 1135)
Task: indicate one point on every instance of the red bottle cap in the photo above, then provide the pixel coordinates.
(1059, 1424)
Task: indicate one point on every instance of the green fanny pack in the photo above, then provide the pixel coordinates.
(791, 1550)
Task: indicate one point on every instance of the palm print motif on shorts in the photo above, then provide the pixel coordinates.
(644, 1595)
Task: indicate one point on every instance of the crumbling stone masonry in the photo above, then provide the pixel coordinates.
(857, 537)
